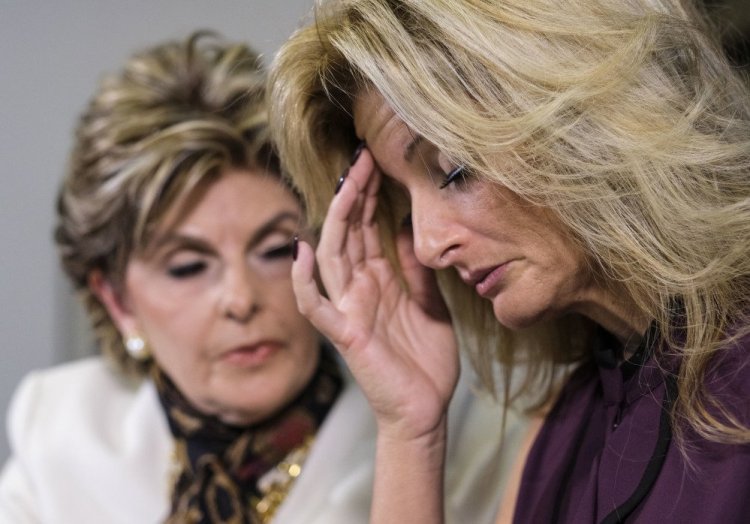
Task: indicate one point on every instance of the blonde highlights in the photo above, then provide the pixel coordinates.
(175, 117)
(622, 117)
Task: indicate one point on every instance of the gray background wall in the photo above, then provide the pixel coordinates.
(52, 54)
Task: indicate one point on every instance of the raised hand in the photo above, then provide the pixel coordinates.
(398, 343)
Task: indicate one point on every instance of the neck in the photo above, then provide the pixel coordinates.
(621, 319)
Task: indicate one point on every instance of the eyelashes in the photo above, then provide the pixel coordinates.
(456, 175)
(186, 270)
(272, 255)
(283, 251)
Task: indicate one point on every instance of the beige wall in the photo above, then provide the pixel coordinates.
(51, 56)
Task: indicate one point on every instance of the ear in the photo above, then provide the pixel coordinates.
(114, 302)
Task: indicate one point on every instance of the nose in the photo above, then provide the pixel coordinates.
(240, 295)
(436, 235)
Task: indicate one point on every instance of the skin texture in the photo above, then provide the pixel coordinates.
(399, 343)
(513, 253)
(212, 297)
(383, 330)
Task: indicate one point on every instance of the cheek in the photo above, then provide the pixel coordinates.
(554, 281)
(168, 308)
(565, 257)
(279, 295)
(550, 274)
(298, 325)
(547, 243)
(175, 330)
(558, 269)
(153, 295)
(279, 299)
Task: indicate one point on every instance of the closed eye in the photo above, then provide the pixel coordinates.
(282, 251)
(457, 174)
(186, 270)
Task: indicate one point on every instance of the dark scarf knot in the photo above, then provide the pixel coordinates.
(218, 465)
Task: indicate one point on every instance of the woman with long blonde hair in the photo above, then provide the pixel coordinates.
(573, 179)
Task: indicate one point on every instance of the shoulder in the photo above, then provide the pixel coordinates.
(79, 375)
(696, 469)
(80, 385)
(63, 384)
(73, 425)
(728, 378)
(53, 408)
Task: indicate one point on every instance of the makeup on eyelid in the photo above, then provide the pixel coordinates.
(214, 299)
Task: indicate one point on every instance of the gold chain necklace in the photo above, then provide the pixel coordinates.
(276, 484)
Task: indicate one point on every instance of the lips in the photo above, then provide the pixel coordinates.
(486, 280)
(251, 355)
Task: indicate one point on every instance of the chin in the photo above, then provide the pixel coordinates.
(244, 415)
(242, 408)
(515, 317)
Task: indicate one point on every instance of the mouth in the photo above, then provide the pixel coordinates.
(251, 355)
(486, 280)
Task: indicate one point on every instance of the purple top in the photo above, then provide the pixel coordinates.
(606, 452)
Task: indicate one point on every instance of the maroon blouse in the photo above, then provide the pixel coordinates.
(606, 452)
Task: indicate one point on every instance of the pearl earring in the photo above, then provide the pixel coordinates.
(136, 347)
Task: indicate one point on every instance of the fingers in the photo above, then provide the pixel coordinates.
(310, 302)
(342, 241)
(364, 241)
(333, 256)
(371, 237)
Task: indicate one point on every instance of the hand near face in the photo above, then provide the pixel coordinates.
(399, 344)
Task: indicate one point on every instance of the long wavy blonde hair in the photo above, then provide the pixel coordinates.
(621, 116)
(170, 121)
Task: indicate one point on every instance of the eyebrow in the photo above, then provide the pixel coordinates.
(201, 246)
(412, 146)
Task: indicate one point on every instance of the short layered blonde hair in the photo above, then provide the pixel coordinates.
(623, 117)
(175, 117)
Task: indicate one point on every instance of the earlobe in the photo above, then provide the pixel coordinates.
(113, 301)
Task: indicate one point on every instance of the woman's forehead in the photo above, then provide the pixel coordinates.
(378, 124)
(371, 113)
(272, 193)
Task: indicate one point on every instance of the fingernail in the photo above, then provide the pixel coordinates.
(341, 181)
(295, 247)
(357, 152)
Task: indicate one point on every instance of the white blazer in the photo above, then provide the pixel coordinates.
(88, 447)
